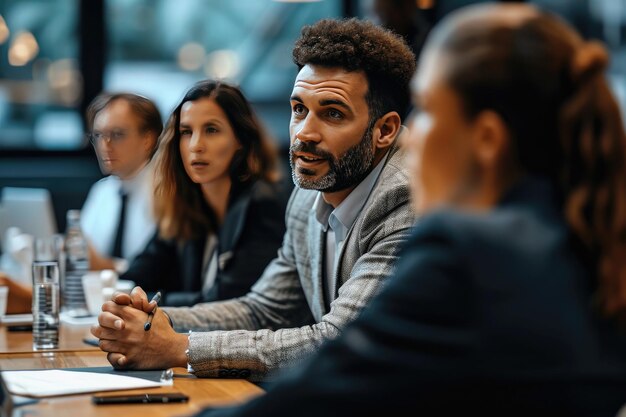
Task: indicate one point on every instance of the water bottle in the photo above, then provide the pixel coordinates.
(76, 265)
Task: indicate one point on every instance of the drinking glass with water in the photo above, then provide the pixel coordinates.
(45, 305)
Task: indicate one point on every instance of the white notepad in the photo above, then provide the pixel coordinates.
(53, 382)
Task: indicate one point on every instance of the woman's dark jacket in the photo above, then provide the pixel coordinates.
(248, 240)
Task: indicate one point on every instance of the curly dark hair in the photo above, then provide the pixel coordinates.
(358, 45)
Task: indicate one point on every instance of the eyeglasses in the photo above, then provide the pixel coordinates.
(113, 136)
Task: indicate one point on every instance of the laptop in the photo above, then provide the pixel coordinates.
(29, 209)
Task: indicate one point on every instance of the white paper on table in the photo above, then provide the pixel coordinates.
(79, 321)
(17, 319)
(53, 382)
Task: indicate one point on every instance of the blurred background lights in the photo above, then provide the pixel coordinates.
(191, 56)
(425, 4)
(23, 49)
(4, 30)
(222, 64)
(65, 81)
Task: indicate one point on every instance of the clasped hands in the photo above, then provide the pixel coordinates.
(121, 332)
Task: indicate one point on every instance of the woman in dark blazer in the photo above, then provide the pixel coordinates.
(510, 297)
(218, 204)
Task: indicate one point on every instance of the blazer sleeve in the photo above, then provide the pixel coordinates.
(391, 357)
(275, 301)
(271, 333)
(153, 268)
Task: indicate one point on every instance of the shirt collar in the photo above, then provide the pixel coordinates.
(133, 184)
(341, 218)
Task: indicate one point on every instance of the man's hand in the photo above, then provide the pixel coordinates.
(121, 333)
(137, 299)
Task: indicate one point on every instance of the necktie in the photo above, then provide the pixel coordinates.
(119, 233)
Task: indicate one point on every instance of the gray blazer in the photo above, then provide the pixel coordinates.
(282, 319)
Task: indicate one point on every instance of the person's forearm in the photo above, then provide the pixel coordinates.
(221, 315)
(254, 354)
(98, 264)
(20, 296)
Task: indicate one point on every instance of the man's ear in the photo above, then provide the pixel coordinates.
(388, 126)
(150, 140)
(490, 140)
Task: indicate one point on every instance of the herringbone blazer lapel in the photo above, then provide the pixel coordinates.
(348, 253)
(316, 252)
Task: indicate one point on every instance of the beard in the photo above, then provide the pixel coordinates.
(343, 172)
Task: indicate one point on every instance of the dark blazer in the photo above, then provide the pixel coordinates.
(248, 240)
(487, 314)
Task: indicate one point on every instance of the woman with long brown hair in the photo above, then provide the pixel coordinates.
(509, 298)
(218, 204)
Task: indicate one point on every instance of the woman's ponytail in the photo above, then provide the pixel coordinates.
(594, 171)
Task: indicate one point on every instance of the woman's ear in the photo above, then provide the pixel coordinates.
(490, 140)
(388, 126)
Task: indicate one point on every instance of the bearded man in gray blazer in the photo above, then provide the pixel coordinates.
(346, 220)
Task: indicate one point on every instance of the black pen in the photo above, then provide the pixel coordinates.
(147, 325)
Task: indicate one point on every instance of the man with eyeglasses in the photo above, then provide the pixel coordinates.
(124, 129)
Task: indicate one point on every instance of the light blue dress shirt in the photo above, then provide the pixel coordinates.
(337, 222)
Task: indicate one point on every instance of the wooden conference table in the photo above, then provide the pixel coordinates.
(16, 353)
